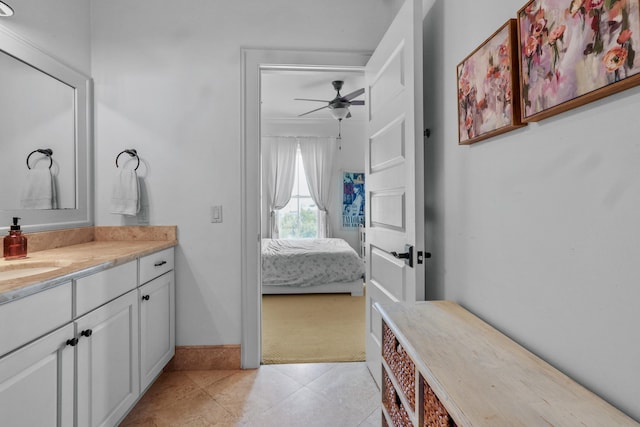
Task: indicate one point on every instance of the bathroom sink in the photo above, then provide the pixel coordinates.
(17, 269)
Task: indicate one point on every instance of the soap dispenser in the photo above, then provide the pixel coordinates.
(15, 244)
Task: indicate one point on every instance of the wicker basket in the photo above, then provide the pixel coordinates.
(401, 365)
(391, 401)
(435, 415)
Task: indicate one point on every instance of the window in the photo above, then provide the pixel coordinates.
(299, 219)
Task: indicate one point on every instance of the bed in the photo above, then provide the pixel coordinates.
(297, 266)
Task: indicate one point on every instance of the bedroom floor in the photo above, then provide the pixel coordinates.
(312, 394)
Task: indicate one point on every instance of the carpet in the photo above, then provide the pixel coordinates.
(313, 328)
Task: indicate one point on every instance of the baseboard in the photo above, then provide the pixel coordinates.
(205, 357)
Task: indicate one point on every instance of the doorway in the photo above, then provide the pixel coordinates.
(305, 324)
(254, 62)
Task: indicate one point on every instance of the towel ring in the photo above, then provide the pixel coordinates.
(46, 151)
(133, 153)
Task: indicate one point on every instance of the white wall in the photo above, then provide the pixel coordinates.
(168, 84)
(536, 231)
(349, 159)
(60, 28)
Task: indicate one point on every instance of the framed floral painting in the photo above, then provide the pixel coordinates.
(572, 52)
(488, 91)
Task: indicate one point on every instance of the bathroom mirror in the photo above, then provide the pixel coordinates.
(45, 105)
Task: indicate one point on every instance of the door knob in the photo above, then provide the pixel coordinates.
(72, 342)
(404, 255)
(86, 333)
(145, 297)
(407, 256)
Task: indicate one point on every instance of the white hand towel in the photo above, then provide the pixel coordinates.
(38, 191)
(125, 199)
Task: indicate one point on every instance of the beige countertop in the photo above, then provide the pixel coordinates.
(91, 249)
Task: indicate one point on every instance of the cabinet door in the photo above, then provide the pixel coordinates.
(36, 382)
(107, 362)
(157, 326)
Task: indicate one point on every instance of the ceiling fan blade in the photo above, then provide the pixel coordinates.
(353, 94)
(307, 99)
(312, 111)
(357, 102)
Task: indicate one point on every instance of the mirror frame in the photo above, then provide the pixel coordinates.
(42, 220)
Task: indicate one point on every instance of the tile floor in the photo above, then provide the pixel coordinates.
(307, 395)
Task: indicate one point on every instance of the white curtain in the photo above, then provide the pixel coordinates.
(317, 157)
(279, 156)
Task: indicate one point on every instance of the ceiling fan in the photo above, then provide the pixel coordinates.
(338, 106)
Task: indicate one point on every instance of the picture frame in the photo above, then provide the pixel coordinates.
(353, 199)
(572, 52)
(488, 88)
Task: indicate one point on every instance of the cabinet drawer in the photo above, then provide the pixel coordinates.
(154, 265)
(100, 288)
(28, 318)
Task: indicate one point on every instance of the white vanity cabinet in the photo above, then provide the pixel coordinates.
(81, 353)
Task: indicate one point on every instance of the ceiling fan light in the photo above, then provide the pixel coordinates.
(5, 9)
(339, 113)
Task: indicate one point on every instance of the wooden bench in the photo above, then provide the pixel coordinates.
(443, 366)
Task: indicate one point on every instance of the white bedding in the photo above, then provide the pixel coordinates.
(309, 262)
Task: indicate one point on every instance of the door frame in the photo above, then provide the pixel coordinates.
(253, 61)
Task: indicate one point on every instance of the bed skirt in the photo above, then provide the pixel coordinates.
(355, 288)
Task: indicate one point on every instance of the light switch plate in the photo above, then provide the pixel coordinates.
(216, 213)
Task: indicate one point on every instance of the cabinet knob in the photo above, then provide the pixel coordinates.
(158, 264)
(146, 297)
(72, 342)
(86, 333)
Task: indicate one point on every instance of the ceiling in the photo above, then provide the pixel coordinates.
(281, 86)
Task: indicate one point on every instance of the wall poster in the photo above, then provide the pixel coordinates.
(353, 197)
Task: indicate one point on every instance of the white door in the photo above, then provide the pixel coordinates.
(394, 172)
(108, 381)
